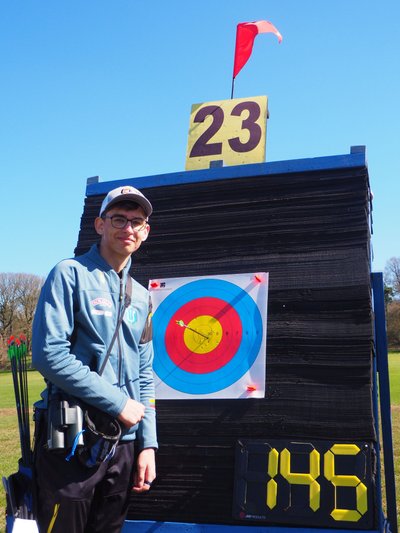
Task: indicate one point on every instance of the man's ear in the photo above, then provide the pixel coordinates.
(146, 234)
(99, 225)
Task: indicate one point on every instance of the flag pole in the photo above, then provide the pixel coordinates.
(233, 85)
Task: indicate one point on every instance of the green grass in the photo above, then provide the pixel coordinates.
(9, 436)
(10, 450)
(7, 398)
(394, 369)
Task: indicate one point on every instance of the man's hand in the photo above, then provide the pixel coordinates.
(145, 470)
(132, 413)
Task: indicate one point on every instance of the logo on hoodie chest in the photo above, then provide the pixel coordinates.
(101, 306)
(131, 315)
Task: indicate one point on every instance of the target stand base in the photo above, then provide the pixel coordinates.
(143, 526)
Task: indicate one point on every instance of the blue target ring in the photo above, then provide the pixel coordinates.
(242, 360)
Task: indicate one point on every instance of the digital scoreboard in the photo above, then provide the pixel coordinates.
(318, 484)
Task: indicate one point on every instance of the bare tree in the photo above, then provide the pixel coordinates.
(19, 294)
(28, 288)
(8, 303)
(392, 275)
(393, 325)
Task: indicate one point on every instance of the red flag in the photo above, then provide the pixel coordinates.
(245, 34)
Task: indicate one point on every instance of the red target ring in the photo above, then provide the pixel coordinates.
(183, 356)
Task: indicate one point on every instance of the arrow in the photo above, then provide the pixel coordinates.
(182, 324)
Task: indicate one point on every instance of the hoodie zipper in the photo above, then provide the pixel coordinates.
(121, 296)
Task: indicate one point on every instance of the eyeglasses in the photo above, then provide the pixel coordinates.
(120, 222)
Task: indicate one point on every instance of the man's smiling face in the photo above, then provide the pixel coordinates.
(118, 243)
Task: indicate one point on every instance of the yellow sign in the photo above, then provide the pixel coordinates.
(232, 131)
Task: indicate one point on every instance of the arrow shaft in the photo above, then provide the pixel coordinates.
(183, 325)
(198, 332)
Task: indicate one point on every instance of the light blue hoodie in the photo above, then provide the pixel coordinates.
(75, 320)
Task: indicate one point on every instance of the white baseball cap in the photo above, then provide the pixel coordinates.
(126, 193)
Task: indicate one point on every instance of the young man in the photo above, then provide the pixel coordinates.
(75, 321)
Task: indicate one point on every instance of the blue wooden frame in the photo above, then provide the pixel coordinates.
(382, 371)
(174, 527)
(355, 159)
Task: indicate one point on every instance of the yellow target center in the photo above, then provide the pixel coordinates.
(203, 334)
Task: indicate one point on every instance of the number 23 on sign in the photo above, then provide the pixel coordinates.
(232, 131)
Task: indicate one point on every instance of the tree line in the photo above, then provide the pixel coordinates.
(392, 302)
(19, 294)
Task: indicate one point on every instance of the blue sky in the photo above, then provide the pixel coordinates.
(96, 87)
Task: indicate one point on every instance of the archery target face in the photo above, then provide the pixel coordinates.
(209, 336)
